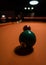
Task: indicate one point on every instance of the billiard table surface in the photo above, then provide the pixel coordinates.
(9, 40)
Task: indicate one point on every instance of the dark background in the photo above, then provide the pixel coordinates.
(18, 6)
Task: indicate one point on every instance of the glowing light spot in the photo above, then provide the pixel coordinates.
(25, 8)
(32, 8)
(28, 8)
(3, 16)
(33, 2)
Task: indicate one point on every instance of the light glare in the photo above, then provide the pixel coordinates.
(32, 8)
(28, 8)
(3, 16)
(25, 8)
(33, 2)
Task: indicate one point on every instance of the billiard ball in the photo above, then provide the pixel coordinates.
(26, 27)
(27, 39)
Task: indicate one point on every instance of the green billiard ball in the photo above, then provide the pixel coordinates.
(27, 39)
